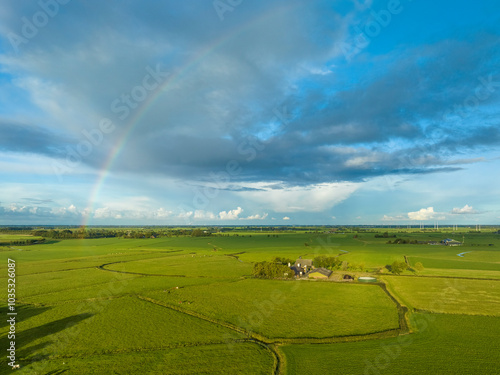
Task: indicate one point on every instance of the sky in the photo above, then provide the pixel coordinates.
(239, 112)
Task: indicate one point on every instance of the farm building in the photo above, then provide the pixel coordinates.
(303, 265)
(451, 242)
(319, 273)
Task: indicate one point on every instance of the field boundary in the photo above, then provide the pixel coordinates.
(280, 340)
(258, 339)
(404, 326)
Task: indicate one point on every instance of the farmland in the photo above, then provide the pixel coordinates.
(180, 304)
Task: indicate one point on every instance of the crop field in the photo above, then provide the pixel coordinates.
(191, 305)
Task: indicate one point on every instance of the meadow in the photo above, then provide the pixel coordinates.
(190, 305)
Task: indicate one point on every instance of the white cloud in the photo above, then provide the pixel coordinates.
(230, 215)
(286, 218)
(200, 214)
(103, 213)
(312, 198)
(362, 162)
(162, 213)
(464, 210)
(256, 217)
(185, 215)
(394, 218)
(422, 214)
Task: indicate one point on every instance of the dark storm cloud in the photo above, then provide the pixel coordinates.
(30, 139)
(229, 79)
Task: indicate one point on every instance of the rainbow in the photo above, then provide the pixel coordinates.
(153, 98)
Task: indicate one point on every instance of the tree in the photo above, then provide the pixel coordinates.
(272, 270)
(398, 267)
(419, 266)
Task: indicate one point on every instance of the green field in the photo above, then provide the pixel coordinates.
(277, 309)
(445, 344)
(190, 305)
(448, 295)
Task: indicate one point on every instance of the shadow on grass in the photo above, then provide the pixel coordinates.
(24, 312)
(58, 333)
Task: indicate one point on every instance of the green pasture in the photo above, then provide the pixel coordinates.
(112, 325)
(14, 237)
(200, 264)
(447, 295)
(277, 309)
(458, 263)
(216, 359)
(117, 285)
(182, 305)
(444, 344)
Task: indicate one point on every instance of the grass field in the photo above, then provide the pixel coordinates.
(187, 305)
(445, 344)
(448, 295)
(278, 309)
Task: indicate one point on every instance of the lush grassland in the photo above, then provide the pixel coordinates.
(241, 358)
(445, 344)
(201, 264)
(117, 285)
(457, 264)
(188, 305)
(14, 237)
(448, 295)
(278, 309)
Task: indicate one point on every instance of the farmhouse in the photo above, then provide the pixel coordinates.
(319, 273)
(451, 242)
(302, 266)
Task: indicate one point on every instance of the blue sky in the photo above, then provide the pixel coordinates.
(249, 112)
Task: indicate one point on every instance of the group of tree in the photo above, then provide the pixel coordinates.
(271, 270)
(402, 241)
(384, 235)
(200, 233)
(327, 262)
(30, 241)
(335, 263)
(284, 261)
(77, 233)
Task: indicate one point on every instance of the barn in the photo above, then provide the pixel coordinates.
(319, 273)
